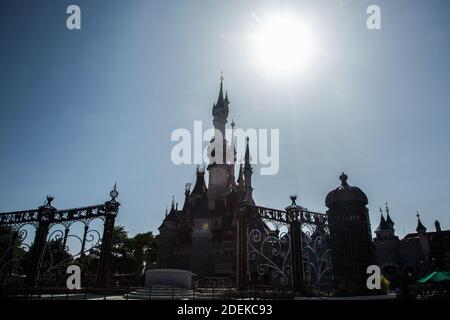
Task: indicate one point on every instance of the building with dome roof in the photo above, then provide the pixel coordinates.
(350, 234)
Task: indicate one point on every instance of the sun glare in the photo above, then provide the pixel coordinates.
(283, 45)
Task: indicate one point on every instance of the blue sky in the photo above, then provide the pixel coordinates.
(82, 109)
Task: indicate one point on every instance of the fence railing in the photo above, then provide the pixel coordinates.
(144, 293)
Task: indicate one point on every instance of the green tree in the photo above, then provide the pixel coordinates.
(130, 253)
(12, 255)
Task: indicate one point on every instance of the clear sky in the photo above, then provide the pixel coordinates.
(82, 109)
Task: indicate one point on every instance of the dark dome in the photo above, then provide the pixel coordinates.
(345, 194)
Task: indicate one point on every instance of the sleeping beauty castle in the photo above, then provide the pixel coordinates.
(201, 236)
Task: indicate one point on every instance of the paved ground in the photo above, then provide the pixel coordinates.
(120, 297)
(381, 297)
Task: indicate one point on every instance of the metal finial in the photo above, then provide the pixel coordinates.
(49, 200)
(417, 215)
(343, 179)
(114, 193)
(221, 76)
(232, 123)
(293, 197)
(381, 210)
(387, 208)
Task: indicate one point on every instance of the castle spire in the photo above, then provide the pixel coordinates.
(247, 153)
(248, 171)
(220, 98)
(388, 218)
(240, 179)
(219, 171)
(420, 226)
(220, 112)
(383, 225)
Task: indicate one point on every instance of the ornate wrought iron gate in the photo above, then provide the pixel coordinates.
(284, 248)
(44, 260)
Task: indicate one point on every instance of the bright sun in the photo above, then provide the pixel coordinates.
(283, 45)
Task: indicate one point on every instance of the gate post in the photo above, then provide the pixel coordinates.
(45, 216)
(111, 211)
(242, 250)
(297, 257)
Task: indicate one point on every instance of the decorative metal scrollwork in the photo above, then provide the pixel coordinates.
(271, 253)
(269, 244)
(60, 255)
(48, 255)
(316, 258)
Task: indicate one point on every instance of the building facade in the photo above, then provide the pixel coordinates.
(414, 256)
(201, 236)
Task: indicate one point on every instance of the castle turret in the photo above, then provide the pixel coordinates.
(424, 246)
(387, 245)
(388, 218)
(220, 110)
(385, 228)
(219, 170)
(201, 228)
(167, 238)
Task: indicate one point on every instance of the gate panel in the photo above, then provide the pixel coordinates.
(288, 249)
(316, 254)
(56, 245)
(269, 249)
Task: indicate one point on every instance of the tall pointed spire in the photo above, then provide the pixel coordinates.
(240, 179)
(172, 215)
(220, 98)
(248, 171)
(187, 192)
(247, 153)
(383, 225)
(388, 218)
(220, 111)
(420, 226)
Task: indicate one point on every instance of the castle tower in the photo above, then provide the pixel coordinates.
(350, 234)
(219, 170)
(386, 244)
(201, 228)
(385, 229)
(167, 238)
